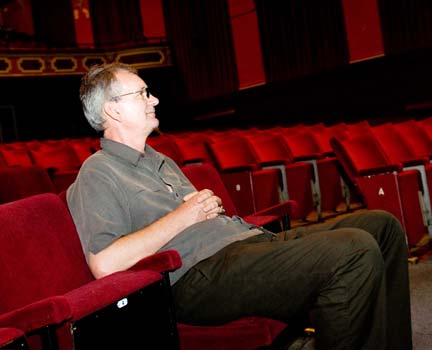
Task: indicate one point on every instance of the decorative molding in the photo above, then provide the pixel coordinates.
(58, 62)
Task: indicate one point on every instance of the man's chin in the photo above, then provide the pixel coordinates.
(155, 122)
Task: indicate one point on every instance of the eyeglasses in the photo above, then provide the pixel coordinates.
(144, 91)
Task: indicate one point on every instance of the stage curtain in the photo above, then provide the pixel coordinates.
(301, 37)
(199, 33)
(116, 22)
(406, 24)
(53, 23)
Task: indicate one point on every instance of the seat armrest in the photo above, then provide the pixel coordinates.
(260, 220)
(274, 213)
(9, 335)
(105, 291)
(286, 208)
(168, 260)
(380, 169)
(49, 311)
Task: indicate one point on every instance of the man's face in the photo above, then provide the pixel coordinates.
(135, 104)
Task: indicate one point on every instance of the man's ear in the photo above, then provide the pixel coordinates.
(111, 110)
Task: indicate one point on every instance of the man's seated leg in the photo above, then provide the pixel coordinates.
(391, 238)
(336, 275)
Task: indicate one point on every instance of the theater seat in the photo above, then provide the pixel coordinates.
(271, 152)
(12, 338)
(166, 145)
(400, 152)
(48, 292)
(84, 147)
(251, 188)
(15, 154)
(206, 176)
(192, 147)
(382, 184)
(243, 334)
(23, 181)
(58, 158)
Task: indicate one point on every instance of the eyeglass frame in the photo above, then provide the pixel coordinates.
(140, 91)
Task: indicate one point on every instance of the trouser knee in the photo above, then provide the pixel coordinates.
(360, 247)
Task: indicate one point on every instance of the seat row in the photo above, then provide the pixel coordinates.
(299, 157)
(60, 158)
(390, 165)
(315, 164)
(324, 169)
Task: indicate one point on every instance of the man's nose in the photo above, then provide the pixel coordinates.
(153, 100)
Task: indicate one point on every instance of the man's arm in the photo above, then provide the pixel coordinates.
(128, 250)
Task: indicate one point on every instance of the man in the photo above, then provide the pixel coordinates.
(129, 202)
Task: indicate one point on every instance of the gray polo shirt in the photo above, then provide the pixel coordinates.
(120, 190)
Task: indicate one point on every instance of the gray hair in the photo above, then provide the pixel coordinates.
(98, 86)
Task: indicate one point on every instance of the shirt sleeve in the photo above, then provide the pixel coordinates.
(99, 208)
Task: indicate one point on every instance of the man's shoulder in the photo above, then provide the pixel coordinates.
(97, 160)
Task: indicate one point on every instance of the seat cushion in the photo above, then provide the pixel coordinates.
(242, 334)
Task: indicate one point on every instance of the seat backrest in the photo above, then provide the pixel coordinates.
(361, 155)
(393, 143)
(322, 135)
(270, 148)
(193, 148)
(8, 336)
(233, 153)
(416, 137)
(206, 176)
(15, 154)
(83, 147)
(53, 154)
(24, 181)
(167, 146)
(303, 145)
(41, 254)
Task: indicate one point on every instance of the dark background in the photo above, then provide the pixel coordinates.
(200, 90)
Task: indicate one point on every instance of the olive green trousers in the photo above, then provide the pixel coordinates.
(350, 276)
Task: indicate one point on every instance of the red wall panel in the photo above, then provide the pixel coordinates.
(247, 45)
(152, 20)
(363, 28)
(83, 25)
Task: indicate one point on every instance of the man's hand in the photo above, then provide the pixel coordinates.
(204, 204)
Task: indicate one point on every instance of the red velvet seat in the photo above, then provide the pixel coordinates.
(166, 145)
(327, 188)
(12, 338)
(416, 137)
(206, 176)
(53, 154)
(251, 189)
(244, 334)
(382, 184)
(270, 151)
(15, 154)
(58, 158)
(47, 286)
(192, 147)
(400, 152)
(83, 147)
(426, 124)
(24, 181)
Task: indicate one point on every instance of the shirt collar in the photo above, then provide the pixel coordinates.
(129, 154)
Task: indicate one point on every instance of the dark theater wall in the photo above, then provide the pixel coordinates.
(49, 107)
(234, 64)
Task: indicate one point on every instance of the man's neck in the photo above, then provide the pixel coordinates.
(136, 142)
